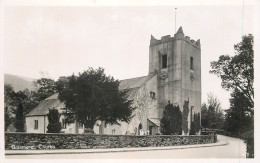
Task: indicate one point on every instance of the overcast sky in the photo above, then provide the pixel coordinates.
(62, 40)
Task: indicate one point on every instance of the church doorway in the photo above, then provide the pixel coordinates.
(151, 130)
(140, 127)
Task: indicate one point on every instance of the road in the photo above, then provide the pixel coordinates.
(234, 149)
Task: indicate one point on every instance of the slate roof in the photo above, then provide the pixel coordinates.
(134, 82)
(45, 105)
(132, 85)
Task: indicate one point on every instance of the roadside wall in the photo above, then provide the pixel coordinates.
(14, 141)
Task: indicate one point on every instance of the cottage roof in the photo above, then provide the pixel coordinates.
(53, 101)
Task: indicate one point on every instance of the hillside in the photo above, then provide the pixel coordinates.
(18, 82)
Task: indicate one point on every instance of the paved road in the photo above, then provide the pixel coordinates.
(235, 149)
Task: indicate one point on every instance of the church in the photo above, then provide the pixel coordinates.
(174, 75)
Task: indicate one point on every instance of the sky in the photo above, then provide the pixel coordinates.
(61, 40)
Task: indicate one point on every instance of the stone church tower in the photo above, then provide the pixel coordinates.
(177, 61)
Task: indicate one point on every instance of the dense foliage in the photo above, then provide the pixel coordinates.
(92, 96)
(54, 125)
(211, 113)
(171, 122)
(237, 75)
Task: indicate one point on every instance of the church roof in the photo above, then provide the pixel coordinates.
(45, 105)
(132, 84)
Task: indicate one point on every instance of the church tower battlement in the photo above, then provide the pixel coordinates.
(177, 36)
(177, 61)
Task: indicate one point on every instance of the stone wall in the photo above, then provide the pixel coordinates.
(81, 141)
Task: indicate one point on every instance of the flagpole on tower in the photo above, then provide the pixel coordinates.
(175, 18)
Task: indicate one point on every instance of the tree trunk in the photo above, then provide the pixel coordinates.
(89, 125)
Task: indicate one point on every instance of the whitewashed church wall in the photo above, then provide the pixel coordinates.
(116, 129)
(43, 123)
(30, 122)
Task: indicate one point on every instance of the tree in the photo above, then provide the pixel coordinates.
(237, 75)
(54, 125)
(7, 118)
(237, 72)
(195, 124)
(25, 98)
(19, 124)
(211, 113)
(239, 122)
(185, 114)
(44, 87)
(92, 96)
(171, 122)
(14, 107)
(8, 92)
(204, 116)
(237, 119)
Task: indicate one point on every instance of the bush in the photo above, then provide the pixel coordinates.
(54, 125)
(172, 120)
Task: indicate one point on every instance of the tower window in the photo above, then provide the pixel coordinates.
(36, 124)
(164, 61)
(191, 63)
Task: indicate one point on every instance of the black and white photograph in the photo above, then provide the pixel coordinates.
(122, 80)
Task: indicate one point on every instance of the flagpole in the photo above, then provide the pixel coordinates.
(175, 19)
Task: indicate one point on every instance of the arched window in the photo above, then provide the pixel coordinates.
(113, 131)
(140, 127)
(191, 63)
